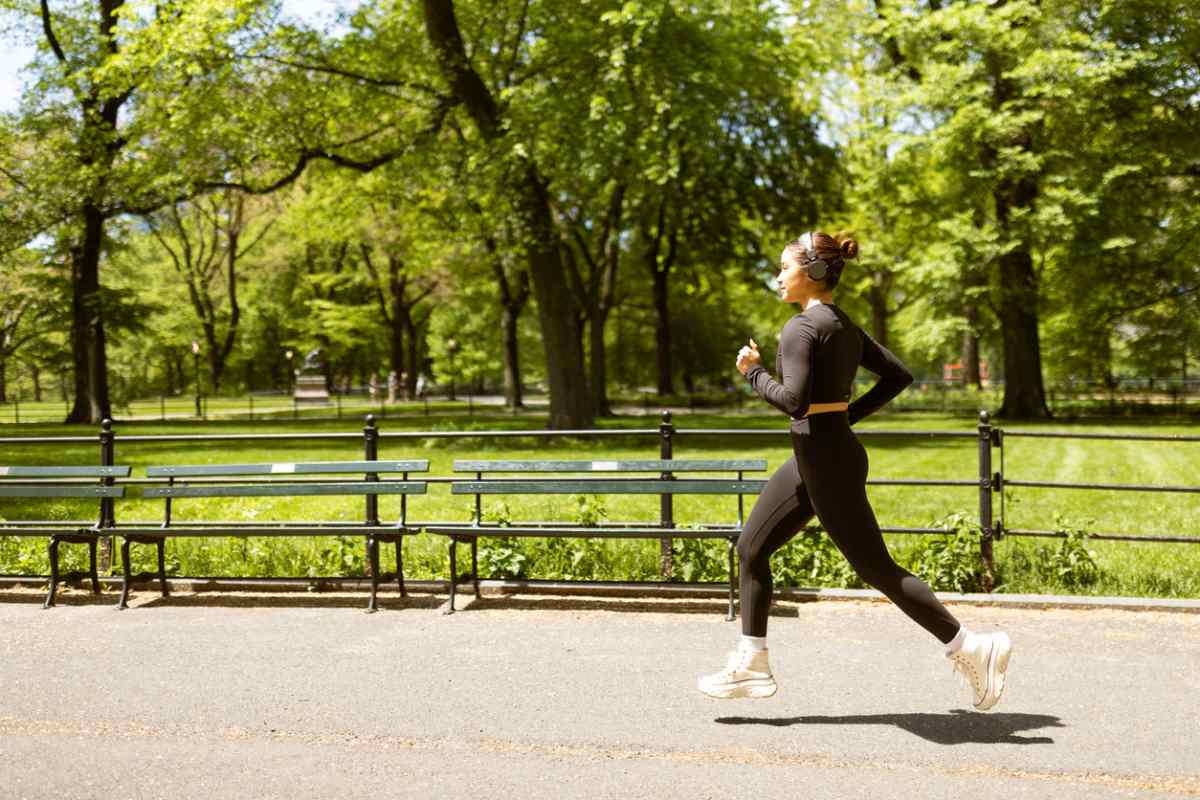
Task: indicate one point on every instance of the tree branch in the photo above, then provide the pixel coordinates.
(329, 69)
(441, 27)
(375, 283)
(50, 37)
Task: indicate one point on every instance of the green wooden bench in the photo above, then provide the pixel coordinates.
(63, 482)
(267, 480)
(541, 477)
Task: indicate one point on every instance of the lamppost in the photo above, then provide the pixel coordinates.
(196, 359)
(451, 349)
(290, 374)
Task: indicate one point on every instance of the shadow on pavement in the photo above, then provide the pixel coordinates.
(314, 600)
(954, 727)
(559, 603)
(64, 598)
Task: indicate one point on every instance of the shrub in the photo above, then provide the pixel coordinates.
(1071, 565)
(699, 560)
(950, 563)
(812, 559)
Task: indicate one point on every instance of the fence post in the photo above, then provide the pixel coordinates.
(667, 509)
(985, 502)
(107, 515)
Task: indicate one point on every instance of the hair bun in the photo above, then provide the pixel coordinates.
(849, 248)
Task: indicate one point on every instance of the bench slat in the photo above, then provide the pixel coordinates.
(287, 468)
(289, 489)
(64, 472)
(62, 491)
(669, 465)
(608, 487)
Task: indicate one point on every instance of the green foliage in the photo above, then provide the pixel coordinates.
(950, 563)
(502, 557)
(1072, 565)
(589, 511)
(339, 555)
(812, 559)
(700, 560)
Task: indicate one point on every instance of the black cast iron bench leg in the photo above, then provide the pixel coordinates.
(475, 564)
(92, 563)
(373, 560)
(121, 603)
(729, 617)
(49, 602)
(400, 567)
(453, 573)
(162, 571)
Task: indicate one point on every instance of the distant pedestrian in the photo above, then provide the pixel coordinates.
(421, 387)
(819, 353)
(373, 386)
(393, 382)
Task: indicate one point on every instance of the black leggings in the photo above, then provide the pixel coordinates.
(827, 476)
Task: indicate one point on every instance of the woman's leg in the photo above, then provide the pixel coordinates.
(837, 483)
(780, 512)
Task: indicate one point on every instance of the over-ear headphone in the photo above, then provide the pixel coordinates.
(816, 266)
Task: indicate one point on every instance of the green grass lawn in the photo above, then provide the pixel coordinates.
(1125, 568)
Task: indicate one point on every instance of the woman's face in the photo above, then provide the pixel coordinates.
(793, 282)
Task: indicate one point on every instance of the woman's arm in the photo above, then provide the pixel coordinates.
(794, 394)
(893, 377)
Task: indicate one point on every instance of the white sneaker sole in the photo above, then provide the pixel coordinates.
(997, 671)
(754, 688)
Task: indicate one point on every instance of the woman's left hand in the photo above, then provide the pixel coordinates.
(747, 357)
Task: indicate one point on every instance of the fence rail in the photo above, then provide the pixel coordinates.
(1174, 395)
(988, 480)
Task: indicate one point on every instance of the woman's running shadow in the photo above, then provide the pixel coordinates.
(955, 727)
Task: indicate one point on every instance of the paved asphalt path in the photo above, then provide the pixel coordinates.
(236, 696)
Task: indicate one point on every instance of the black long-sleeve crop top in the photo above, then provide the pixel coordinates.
(820, 351)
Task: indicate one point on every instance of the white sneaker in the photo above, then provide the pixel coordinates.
(983, 662)
(746, 675)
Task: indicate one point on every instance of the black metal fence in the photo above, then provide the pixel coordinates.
(990, 479)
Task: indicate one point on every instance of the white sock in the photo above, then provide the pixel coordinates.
(960, 638)
(756, 643)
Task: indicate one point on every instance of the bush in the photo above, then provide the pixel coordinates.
(1071, 565)
(700, 560)
(504, 556)
(950, 563)
(812, 559)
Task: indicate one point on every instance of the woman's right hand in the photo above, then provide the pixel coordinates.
(747, 357)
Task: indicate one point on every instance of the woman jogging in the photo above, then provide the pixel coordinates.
(820, 350)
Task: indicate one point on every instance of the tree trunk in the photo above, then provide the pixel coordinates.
(1024, 394)
(512, 303)
(3, 379)
(970, 349)
(570, 405)
(415, 364)
(87, 329)
(512, 364)
(662, 334)
(598, 362)
(878, 297)
(396, 337)
(1017, 306)
(36, 374)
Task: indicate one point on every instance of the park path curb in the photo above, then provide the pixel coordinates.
(647, 590)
